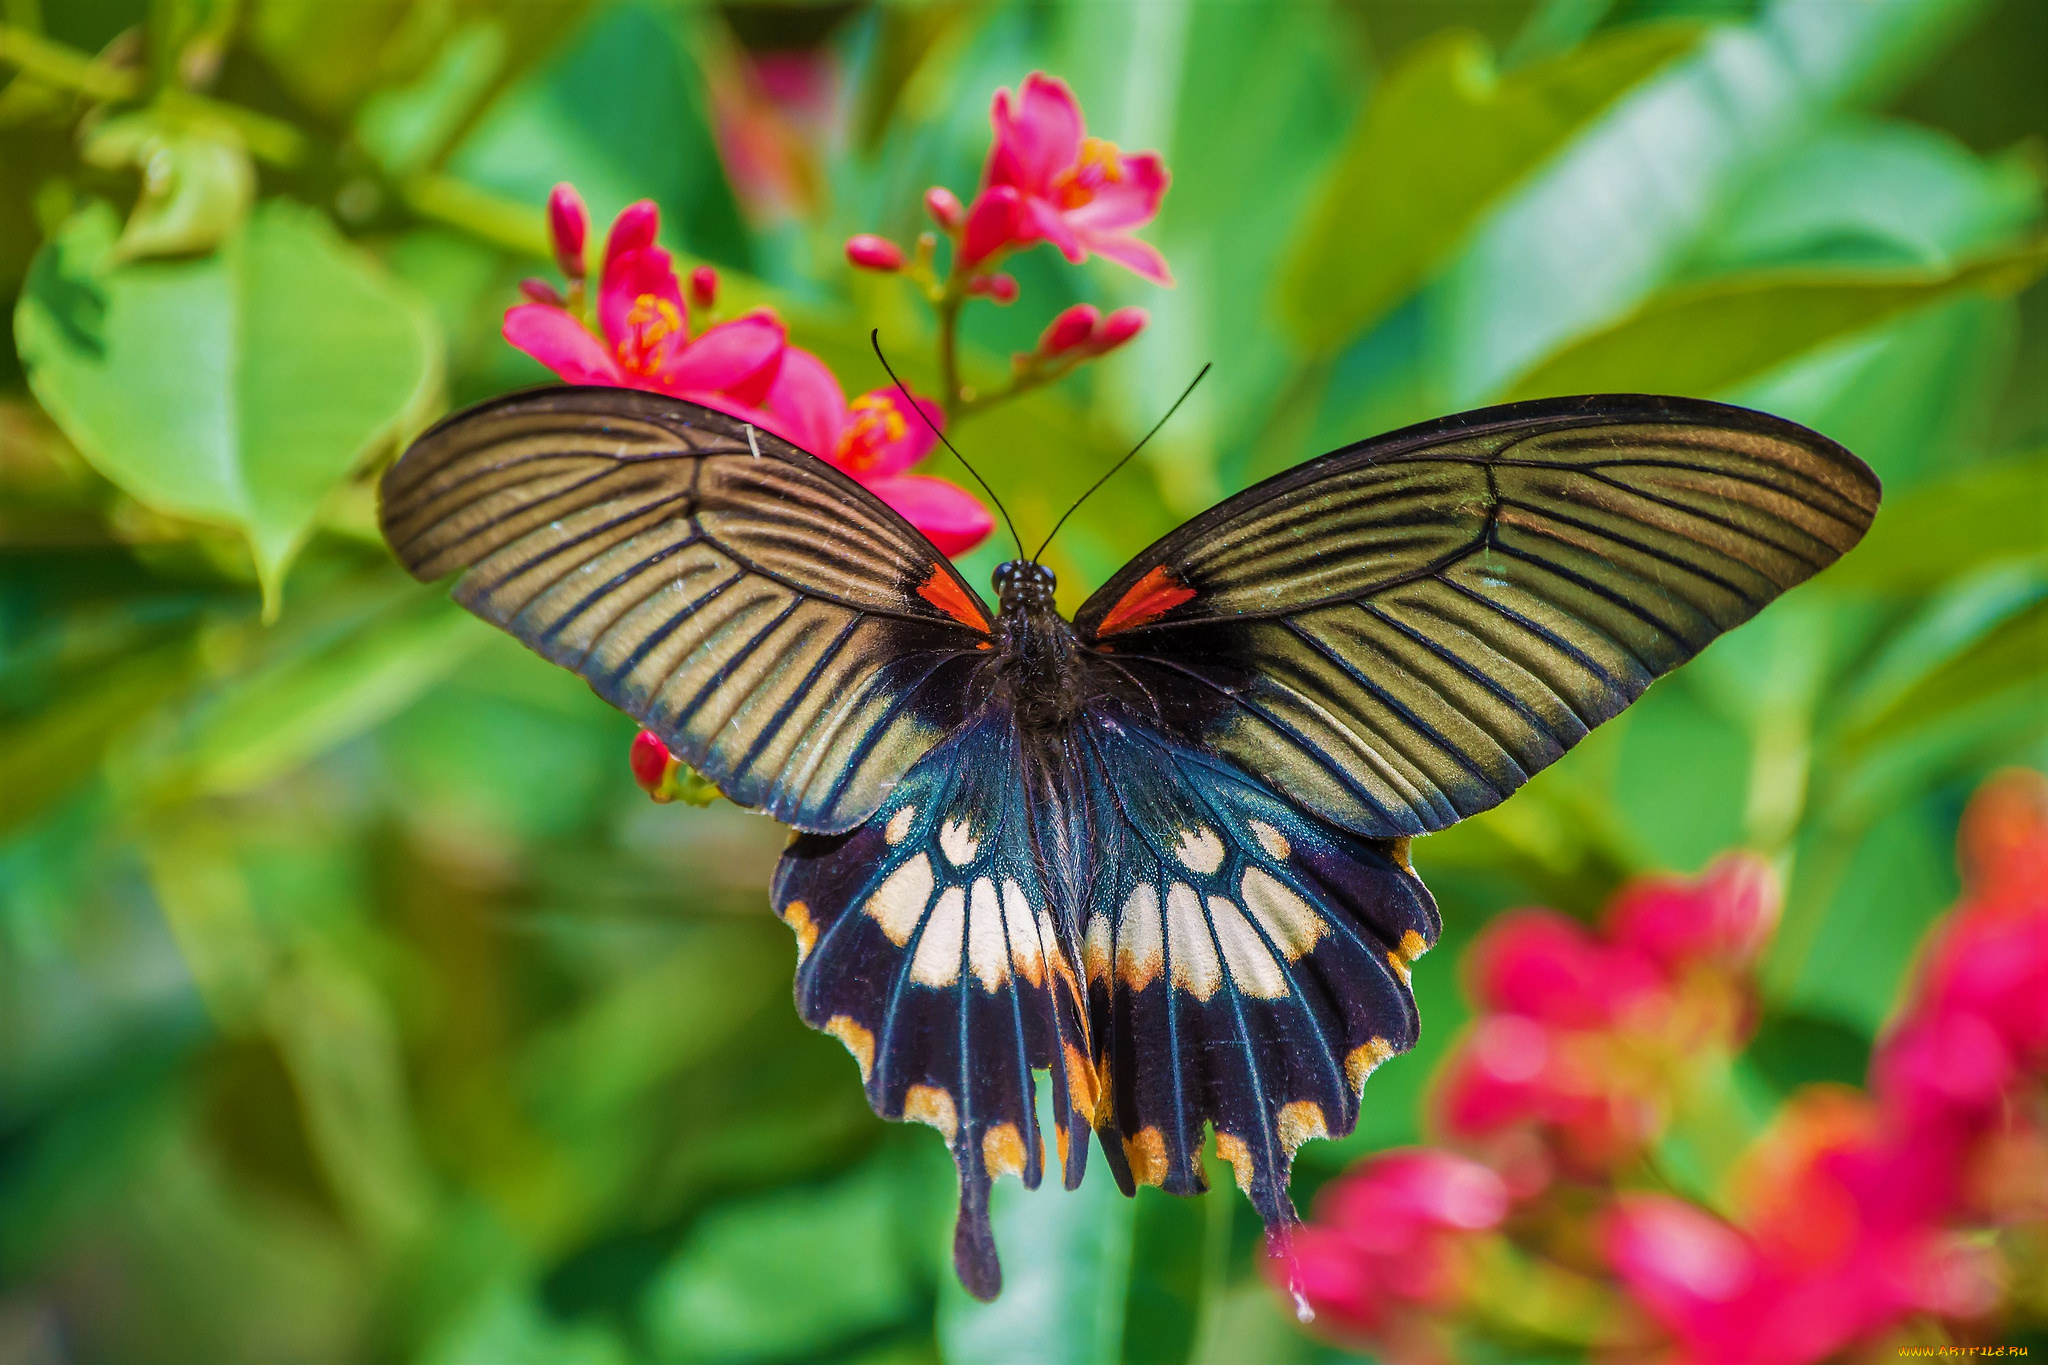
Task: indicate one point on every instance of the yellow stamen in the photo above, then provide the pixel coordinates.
(1099, 163)
(651, 321)
(877, 421)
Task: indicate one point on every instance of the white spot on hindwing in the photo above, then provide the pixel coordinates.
(898, 903)
(1139, 945)
(1251, 964)
(938, 949)
(957, 840)
(1200, 850)
(986, 955)
(1027, 955)
(1095, 949)
(1272, 840)
(898, 828)
(1287, 919)
(1195, 969)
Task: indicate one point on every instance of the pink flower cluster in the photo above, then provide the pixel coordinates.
(1582, 1033)
(644, 338)
(1852, 1216)
(1854, 1213)
(1393, 1248)
(1046, 180)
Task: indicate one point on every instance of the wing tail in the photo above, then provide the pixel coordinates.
(925, 946)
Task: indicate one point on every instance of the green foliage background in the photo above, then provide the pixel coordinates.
(354, 1005)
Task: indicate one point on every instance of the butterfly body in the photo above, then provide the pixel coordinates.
(1156, 855)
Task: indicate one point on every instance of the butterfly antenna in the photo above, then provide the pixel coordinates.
(875, 339)
(1111, 471)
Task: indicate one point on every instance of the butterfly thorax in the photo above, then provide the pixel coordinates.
(1037, 655)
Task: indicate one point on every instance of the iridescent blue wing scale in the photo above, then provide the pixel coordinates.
(928, 945)
(782, 630)
(1247, 963)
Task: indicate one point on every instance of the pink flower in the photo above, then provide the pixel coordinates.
(1082, 329)
(1724, 917)
(645, 341)
(1549, 967)
(653, 765)
(1393, 1241)
(1047, 180)
(875, 440)
(703, 287)
(1826, 1254)
(568, 226)
(870, 252)
(944, 207)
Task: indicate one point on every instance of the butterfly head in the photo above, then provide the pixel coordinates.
(1023, 585)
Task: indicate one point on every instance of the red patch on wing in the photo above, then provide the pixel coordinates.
(1150, 598)
(943, 591)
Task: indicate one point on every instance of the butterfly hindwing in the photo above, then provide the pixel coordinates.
(1246, 963)
(779, 627)
(927, 944)
(1400, 633)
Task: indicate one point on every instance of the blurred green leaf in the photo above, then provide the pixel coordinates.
(1938, 659)
(1871, 192)
(307, 702)
(237, 389)
(51, 753)
(1445, 137)
(787, 1276)
(1066, 1270)
(1704, 338)
(1937, 532)
(197, 182)
(1619, 212)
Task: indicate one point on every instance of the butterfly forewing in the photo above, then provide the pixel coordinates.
(781, 629)
(1400, 633)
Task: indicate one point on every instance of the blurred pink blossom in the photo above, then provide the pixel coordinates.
(1392, 1242)
(869, 252)
(1047, 180)
(876, 441)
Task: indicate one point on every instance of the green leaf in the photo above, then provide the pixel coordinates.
(789, 1275)
(197, 181)
(1446, 137)
(1707, 337)
(238, 389)
(1066, 1267)
(1942, 531)
(311, 700)
(1623, 209)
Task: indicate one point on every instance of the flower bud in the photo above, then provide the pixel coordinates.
(636, 227)
(944, 207)
(540, 291)
(703, 287)
(999, 287)
(1071, 328)
(1118, 328)
(653, 765)
(568, 228)
(869, 252)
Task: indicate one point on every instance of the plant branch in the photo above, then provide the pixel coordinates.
(66, 68)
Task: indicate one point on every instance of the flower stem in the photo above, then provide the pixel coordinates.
(952, 400)
(66, 68)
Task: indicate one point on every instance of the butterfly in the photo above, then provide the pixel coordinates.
(1158, 854)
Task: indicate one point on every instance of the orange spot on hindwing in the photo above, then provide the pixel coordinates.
(943, 591)
(1150, 598)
